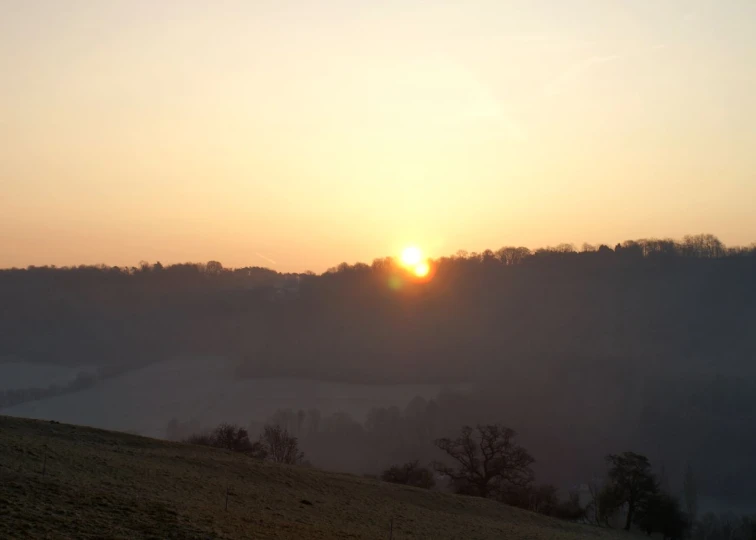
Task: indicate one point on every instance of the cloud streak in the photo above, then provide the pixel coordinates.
(266, 258)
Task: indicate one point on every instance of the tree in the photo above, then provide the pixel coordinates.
(661, 513)
(488, 460)
(703, 245)
(411, 474)
(213, 268)
(606, 503)
(631, 478)
(748, 528)
(231, 437)
(512, 255)
(691, 494)
(279, 446)
(228, 437)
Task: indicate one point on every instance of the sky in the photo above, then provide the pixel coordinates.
(298, 135)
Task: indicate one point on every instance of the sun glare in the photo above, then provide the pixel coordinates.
(412, 259)
(412, 256)
(421, 269)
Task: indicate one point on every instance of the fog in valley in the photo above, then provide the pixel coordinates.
(200, 393)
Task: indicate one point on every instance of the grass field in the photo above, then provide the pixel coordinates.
(63, 481)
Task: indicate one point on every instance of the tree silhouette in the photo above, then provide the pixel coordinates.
(279, 446)
(631, 478)
(488, 460)
(411, 474)
(661, 512)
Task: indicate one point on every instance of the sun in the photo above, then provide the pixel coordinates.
(411, 256)
(421, 269)
(413, 260)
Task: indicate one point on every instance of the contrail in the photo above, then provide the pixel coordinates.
(266, 258)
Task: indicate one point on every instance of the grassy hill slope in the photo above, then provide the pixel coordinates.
(63, 481)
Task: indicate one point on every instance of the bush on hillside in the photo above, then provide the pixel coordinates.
(229, 437)
(280, 447)
(411, 474)
(201, 439)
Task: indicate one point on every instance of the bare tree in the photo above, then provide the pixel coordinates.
(488, 460)
(279, 446)
(512, 255)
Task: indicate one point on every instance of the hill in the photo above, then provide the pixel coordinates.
(64, 481)
(646, 346)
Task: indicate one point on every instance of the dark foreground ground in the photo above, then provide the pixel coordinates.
(63, 481)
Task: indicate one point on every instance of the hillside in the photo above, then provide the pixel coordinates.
(63, 481)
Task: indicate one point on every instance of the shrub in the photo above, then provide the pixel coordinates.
(202, 439)
(229, 437)
(411, 474)
(280, 447)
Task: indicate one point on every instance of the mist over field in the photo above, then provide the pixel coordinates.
(206, 392)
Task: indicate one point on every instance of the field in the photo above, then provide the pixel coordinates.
(63, 481)
(204, 389)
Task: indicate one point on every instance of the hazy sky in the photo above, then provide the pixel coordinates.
(314, 132)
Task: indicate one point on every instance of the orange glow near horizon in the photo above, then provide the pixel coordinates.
(413, 260)
(421, 270)
(299, 137)
(411, 256)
